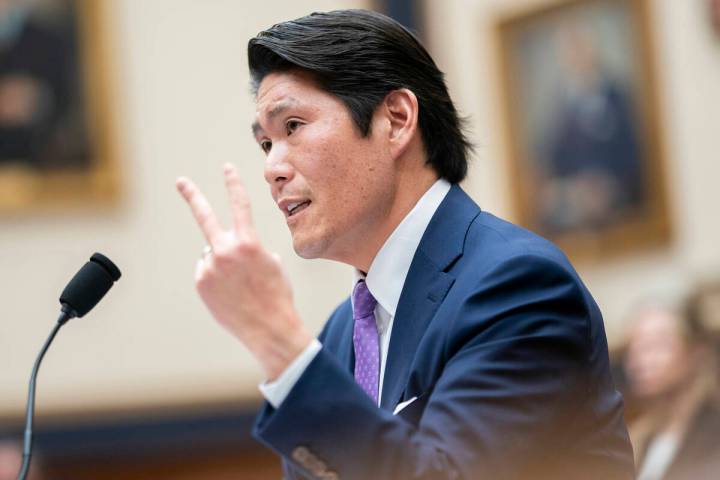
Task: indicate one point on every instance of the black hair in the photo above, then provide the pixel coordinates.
(360, 56)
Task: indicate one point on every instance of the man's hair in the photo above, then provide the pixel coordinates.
(360, 56)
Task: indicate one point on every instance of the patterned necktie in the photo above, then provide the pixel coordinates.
(366, 340)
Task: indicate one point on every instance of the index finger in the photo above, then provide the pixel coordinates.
(201, 209)
(239, 200)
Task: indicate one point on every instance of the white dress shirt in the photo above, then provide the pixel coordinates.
(660, 454)
(385, 280)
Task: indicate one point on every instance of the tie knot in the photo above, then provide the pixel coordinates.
(363, 301)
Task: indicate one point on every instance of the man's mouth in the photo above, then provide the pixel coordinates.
(294, 208)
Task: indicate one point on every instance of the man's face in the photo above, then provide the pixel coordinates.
(658, 358)
(334, 186)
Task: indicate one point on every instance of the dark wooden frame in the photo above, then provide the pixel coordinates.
(651, 230)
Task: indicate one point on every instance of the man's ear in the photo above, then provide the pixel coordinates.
(401, 110)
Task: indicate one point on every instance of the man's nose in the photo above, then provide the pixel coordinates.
(278, 169)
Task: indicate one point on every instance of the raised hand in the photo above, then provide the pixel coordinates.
(242, 284)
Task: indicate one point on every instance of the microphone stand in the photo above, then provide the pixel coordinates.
(65, 315)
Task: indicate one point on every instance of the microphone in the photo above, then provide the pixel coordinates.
(82, 293)
(89, 285)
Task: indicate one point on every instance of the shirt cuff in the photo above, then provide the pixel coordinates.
(275, 392)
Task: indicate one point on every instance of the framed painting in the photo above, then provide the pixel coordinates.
(56, 142)
(583, 127)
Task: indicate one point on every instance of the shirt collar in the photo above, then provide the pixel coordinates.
(386, 276)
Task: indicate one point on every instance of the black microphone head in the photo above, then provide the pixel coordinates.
(106, 263)
(89, 284)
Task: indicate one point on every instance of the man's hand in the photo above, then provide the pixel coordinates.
(243, 284)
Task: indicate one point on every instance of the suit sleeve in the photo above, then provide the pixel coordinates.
(515, 370)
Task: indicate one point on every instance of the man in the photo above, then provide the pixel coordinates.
(470, 349)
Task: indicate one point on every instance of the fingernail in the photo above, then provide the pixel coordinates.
(228, 167)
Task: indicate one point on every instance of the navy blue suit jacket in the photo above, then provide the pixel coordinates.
(505, 350)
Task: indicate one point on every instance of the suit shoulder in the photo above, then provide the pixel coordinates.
(499, 241)
(501, 254)
(511, 268)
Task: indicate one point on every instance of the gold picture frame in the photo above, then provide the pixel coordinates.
(582, 123)
(57, 141)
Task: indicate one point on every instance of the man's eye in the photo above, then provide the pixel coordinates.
(291, 126)
(266, 145)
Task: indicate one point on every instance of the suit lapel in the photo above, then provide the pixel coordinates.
(346, 351)
(336, 336)
(425, 287)
(422, 294)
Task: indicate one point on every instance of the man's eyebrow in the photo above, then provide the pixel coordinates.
(256, 128)
(276, 110)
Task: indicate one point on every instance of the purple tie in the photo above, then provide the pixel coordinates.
(366, 340)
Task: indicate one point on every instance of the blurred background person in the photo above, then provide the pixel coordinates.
(671, 372)
(715, 14)
(11, 460)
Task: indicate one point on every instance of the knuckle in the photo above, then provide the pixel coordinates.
(248, 248)
(222, 257)
(228, 256)
(225, 263)
(202, 217)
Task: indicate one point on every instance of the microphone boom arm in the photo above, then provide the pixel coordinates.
(65, 315)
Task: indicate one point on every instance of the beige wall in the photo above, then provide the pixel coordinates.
(183, 107)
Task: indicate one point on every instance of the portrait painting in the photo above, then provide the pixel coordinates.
(583, 126)
(55, 139)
